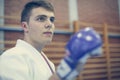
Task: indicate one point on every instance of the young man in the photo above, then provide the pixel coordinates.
(26, 61)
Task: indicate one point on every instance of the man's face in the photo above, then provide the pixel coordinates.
(41, 26)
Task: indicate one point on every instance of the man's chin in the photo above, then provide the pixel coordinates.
(48, 42)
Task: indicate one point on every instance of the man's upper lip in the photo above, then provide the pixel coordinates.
(47, 32)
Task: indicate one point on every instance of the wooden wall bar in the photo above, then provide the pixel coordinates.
(105, 67)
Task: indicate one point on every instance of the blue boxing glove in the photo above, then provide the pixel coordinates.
(82, 45)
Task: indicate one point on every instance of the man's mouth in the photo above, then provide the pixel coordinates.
(48, 34)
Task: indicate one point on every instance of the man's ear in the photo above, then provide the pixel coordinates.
(24, 25)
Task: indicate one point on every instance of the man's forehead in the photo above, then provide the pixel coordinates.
(41, 11)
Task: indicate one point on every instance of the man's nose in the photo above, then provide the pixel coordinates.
(48, 24)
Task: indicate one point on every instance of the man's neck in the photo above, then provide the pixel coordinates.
(37, 46)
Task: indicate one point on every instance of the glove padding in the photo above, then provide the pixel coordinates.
(82, 45)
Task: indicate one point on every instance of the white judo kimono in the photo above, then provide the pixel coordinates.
(24, 62)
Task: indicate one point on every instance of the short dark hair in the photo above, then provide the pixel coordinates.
(25, 15)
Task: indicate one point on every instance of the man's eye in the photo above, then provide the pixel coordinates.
(42, 19)
(52, 19)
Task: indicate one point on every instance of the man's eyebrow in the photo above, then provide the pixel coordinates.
(40, 16)
(44, 16)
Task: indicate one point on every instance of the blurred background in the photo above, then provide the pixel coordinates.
(71, 16)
